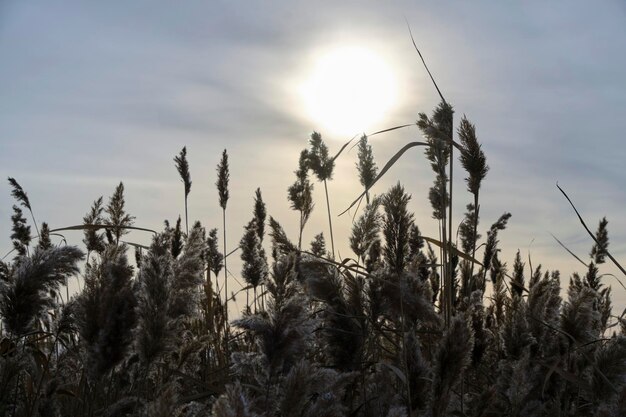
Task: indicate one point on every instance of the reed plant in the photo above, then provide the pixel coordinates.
(411, 326)
(223, 176)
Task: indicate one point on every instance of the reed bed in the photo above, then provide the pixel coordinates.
(412, 325)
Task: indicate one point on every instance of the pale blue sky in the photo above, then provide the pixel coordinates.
(92, 93)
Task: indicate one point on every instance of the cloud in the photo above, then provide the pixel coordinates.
(95, 92)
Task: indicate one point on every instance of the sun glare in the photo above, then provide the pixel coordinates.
(349, 90)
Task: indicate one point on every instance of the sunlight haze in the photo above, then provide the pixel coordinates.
(93, 93)
(350, 90)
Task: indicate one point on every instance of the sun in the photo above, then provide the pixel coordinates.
(349, 90)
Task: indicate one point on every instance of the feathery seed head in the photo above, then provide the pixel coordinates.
(280, 242)
(118, 218)
(44, 237)
(466, 229)
(396, 227)
(21, 233)
(318, 245)
(93, 240)
(599, 250)
(365, 230)
(176, 239)
(366, 166)
(19, 194)
(223, 175)
(318, 159)
(255, 269)
(472, 157)
(260, 214)
(106, 311)
(214, 259)
(26, 291)
(183, 169)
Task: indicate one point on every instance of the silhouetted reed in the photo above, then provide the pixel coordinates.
(105, 311)
(405, 328)
(25, 294)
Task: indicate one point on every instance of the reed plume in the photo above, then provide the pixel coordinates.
(281, 334)
(472, 157)
(281, 245)
(175, 236)
(344, 332)
(419, 374)
(117, 218)
(475, 164)
(106, 311)
(260, 214)
(516, 335)
(491, 246)
(318, 245)
(182, 166)
(366, 166)
(517, 283)
(214, 259)
(188, 275)
(20, 195)
(609, 370)
(396, 227)
(154, 334)
(21, 233)
(25, 293)
(300, 194)
(322, 166)
(452, 358)
(365, 230)
(438, 132)
(281, 283)
(580, 318)
(223, 175)
(44, 237)
(599, 249)
(255, 269)
(93, 240)
(469, 236)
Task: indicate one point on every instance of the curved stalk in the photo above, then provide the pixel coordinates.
(330, 222)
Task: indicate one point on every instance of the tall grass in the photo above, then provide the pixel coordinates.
(400, 330)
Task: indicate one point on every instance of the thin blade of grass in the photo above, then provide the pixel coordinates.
(589, 231)
(135, 245)
(233, 251)
(567, 249)
(613, 276)
(369, 135)
(451, 248)
(7, 254)
(342, 148)
(390, 129)
(101, 226)
(424, 62)
(382, 172)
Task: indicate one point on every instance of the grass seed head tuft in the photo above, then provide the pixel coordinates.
(26, 292)
(472, 157)
(223, 176)
(599, 249)
(366, 166)
(318, 159)
(117, 216)
(182, 166)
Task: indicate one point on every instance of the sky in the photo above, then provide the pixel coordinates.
(94, 93)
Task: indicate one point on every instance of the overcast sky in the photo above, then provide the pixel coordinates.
(93, 93)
